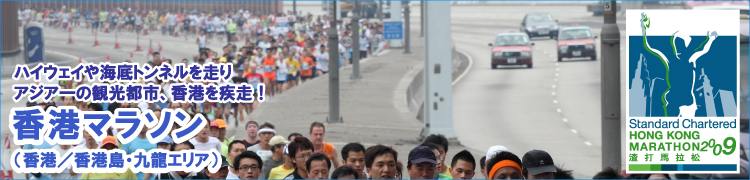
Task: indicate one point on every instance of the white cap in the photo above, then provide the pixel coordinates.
(143, 106)
(494, 150)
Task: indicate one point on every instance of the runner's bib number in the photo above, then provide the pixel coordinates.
(280, 75)
(305, 66)
(269, 69)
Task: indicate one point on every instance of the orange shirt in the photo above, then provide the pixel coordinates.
(268, 62)
(307, 64)
(328, 149)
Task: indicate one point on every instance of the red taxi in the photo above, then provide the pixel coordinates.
(511, 49)
(576, 42)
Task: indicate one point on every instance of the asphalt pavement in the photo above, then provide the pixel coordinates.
(554, 106)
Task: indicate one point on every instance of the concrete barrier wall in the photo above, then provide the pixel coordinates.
(415, 92)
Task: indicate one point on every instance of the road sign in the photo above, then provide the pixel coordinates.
(33, 41)
(607, 6)
(393, 30)
(347, 41)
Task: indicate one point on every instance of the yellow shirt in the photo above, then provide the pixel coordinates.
(448, 171)
(280, 172)
(294, 64)
(163, 21)
(126, 175)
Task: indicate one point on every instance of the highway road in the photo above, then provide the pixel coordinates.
(555, 106)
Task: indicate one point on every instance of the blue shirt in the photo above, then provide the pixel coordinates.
(44, 145)
(138, 143)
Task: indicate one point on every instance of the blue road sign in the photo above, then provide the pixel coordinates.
(33, 41)
(393, 30)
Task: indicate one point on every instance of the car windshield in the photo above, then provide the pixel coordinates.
(539, 18)
(575, 34)
(512, 40)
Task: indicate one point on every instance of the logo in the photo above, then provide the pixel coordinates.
(541, 162)
(682, 92)
(682, 71)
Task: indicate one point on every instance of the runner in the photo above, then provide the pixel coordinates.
(236, 147)
(130, 21)
(318, 166)
(317, 133)
(222, 172)
(248, 165)
(353, 155)
(231, 30)
(306, 67)
(538, 164)
(345, 172)
(323, 57)
(462, 165)
(281, 171)
(442, 143)
(203, 141)
(186, 24)
(221, 24)
(421, 163)
(292, 69)
(252, 133)
(269, 70)
(435, 149)
(300, 150)
(67, 173)
(277, 158)
(504, 165)
(246, 27)
(263, 149)
(363, 46)
(182, 174)
(109, 143)
(138, 21)
(281, 73)
(381, 162)
(222, 132)
(210, 26)
(140, 142)
(94, 21)
(65, 17)
(201, 41)
(163, 22)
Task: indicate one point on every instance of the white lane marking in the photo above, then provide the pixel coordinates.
(559, 110)
(557, 74)
(555, 79)
(553, 93)
(557, 64)
(587, 143)
(565, 120)
(574, 131)
(553, 86)
(557, 69)
(471, 62)
(554, 101)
